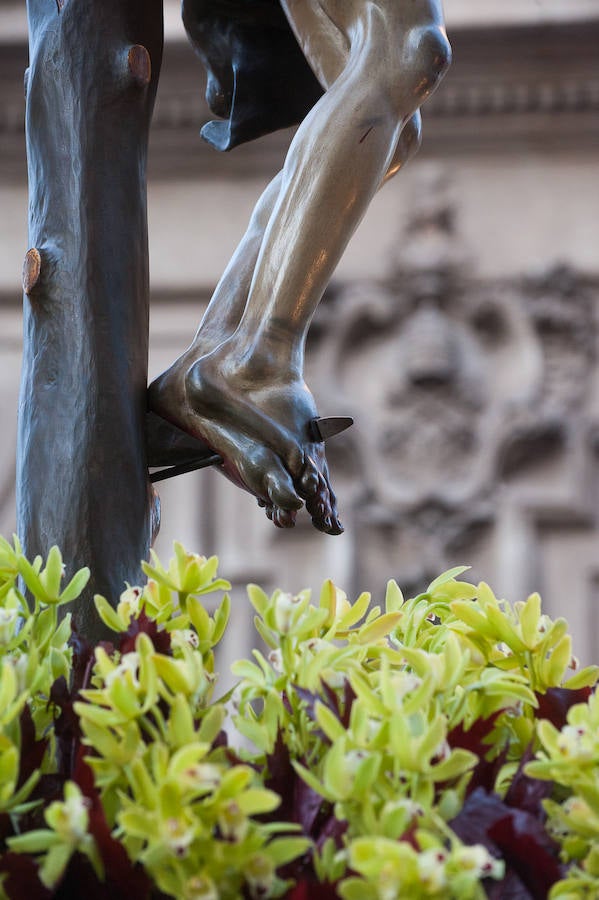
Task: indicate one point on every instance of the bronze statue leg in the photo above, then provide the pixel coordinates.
(246, 397)
(257, 469)
(228, 302)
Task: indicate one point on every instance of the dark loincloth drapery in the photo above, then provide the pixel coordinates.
(258, 78)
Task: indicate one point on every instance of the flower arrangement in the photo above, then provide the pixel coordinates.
(445, 746)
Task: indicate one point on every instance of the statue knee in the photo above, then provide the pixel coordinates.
(406, 73)
(426, 55)
(399, 64)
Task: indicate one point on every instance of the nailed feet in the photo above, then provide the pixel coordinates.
(260, 428)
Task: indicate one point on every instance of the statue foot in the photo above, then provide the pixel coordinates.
(262, 433)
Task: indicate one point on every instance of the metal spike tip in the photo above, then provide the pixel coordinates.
(328, 426)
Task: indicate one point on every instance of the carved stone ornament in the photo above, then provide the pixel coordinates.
(472, 400)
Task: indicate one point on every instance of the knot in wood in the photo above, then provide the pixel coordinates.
(31, 270)
(140, 66)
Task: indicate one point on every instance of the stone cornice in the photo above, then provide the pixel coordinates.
(509, 90)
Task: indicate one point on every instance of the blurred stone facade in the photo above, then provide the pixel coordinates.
(460, 330)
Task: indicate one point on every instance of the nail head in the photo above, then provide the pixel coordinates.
(327, 427)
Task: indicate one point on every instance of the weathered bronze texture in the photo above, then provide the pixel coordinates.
(82, 475)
